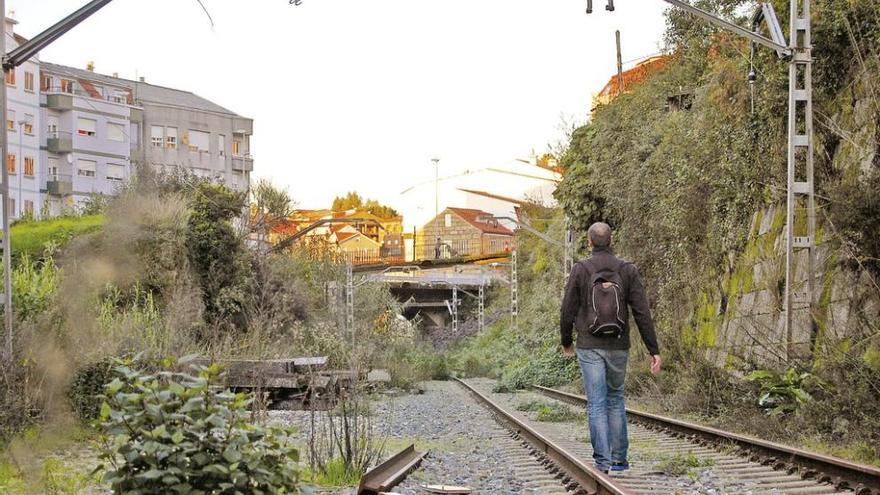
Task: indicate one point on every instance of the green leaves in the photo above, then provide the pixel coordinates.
(783, 393)
(173, 432)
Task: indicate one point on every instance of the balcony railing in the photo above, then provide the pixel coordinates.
(59, 184)
(60, 142)
(243, 163)
(114, 98)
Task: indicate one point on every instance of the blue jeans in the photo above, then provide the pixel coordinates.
(603, 372)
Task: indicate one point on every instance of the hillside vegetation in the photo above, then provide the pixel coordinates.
(686, 192)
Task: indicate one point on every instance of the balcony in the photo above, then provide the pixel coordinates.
(244, 163)
(59, 184)
(59, 101)
(61, 97)
(60, 142)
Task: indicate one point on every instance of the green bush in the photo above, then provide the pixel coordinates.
(174, 432)
(550, 369)
(86, 386)
(783, 393)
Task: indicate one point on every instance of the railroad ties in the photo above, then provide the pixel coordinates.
(725, 462)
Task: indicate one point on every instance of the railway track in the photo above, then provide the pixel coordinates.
(720, 462)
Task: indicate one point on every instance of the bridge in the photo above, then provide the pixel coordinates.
(437, 293)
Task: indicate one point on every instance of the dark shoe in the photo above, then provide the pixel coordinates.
(620, 466)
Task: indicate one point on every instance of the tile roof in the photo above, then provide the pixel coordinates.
(146, 92)
(481, 220)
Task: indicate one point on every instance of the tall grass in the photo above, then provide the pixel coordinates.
(31, 237)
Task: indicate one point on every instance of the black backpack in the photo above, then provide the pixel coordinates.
(607, 301)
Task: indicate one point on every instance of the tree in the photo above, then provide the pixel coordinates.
(216, 252)
(353, 200)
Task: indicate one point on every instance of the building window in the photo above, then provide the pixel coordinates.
(86, 168)
(28, 81)
(221, 144)
(448, 220)
(10, 77)
(10, 163)
(10, 120)
(86, 127)
(29, 166)
(28, 124)
(67, 86)
(157, 136)
(11, 207)
(115, 172)
(199, 141)
(115, 132)
(28, 208)
(53, 168)
(46, 83)
(236, 147)
(171, 138)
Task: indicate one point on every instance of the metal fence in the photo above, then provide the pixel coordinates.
(432, 251)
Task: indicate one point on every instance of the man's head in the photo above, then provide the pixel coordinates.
(599, 235)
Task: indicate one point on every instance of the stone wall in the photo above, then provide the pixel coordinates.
(742, 317)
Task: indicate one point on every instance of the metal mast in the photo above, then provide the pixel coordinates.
(514, 290)
(568, 254)
(481, 309)
(4, 203)
(349, 299)
(800, 165)
(454, 310)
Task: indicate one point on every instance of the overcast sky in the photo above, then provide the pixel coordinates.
(360, 94)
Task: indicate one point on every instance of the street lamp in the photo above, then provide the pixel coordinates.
(436, 186)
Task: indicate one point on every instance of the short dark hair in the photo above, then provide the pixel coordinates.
(600, 234)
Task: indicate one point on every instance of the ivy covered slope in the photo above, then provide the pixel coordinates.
(696, 196)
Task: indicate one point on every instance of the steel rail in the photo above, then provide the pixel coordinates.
(589, 478)
(844, 474)
(387, 475)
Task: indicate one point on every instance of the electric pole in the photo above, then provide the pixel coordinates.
(801, 183)
(619, 64)
(4, 198)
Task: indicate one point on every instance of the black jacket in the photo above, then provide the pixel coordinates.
(574, 305)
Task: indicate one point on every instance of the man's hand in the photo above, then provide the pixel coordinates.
(655, 364)
(568, 351)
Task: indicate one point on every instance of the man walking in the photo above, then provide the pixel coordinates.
(599, 295)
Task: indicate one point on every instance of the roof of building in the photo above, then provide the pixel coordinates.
(146, 92)
(481, 220)
(495, 196)
(633, 76)
(343, 237)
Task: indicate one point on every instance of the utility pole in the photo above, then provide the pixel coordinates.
(10, 61)
(349, 300)
(800, 178)
(514, 291)
(454, 310)
(481, 308)
(568, 254)
(801, 183)
(619, 64)
(4, 198)
(436, 186)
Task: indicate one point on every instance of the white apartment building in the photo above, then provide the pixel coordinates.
(74, 133)
(23, 126)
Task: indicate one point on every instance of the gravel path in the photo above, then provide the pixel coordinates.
(466, 445)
